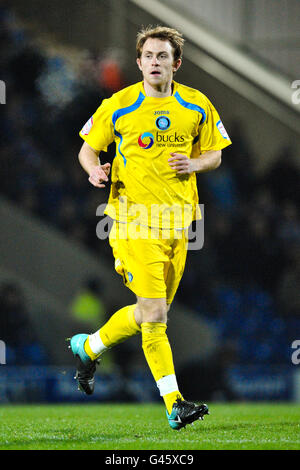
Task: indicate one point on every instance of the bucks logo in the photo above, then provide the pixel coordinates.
(146, 140)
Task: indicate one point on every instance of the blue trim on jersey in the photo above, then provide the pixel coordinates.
(193, 107)
(121, 112)
(119, 146)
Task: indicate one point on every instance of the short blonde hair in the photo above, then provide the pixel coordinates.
(164, 34)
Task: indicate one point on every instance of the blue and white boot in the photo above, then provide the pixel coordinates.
(184, 413)
(85, 367)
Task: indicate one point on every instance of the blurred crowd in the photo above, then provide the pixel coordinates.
(22, 344)
(246, 278)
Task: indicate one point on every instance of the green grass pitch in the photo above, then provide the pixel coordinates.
(144, 426)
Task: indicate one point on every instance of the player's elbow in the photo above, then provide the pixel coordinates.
(81, 152)
(81, 157)
(218, 159)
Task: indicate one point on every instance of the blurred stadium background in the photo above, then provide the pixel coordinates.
(238, 304)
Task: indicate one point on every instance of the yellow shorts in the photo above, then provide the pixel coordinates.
(150, 260)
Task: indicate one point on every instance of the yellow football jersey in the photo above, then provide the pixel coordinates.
(145, 189)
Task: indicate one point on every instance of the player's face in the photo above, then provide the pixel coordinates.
(157, 63)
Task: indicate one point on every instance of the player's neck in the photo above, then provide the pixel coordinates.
(160, 91)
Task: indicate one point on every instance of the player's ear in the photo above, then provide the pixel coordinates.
(176, 65)
(138, 61)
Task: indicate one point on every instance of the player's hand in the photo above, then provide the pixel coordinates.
(99, 174)
(182, 164)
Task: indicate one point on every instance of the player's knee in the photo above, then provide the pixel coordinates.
(152, 310)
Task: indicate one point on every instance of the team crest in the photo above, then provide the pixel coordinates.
(163, 123)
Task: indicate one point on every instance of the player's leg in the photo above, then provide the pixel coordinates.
(156, 347)
(158, 353)
(88, 348)
(121, 326)
(183, 412)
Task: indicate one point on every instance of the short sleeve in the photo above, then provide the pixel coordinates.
(212, 133)
(98, 131)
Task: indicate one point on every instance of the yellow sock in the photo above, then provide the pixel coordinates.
(170, 399)
(89, 351)
(159, 357)
(118, 328)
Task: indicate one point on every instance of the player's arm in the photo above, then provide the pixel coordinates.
(184, 165)
(90, 162)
